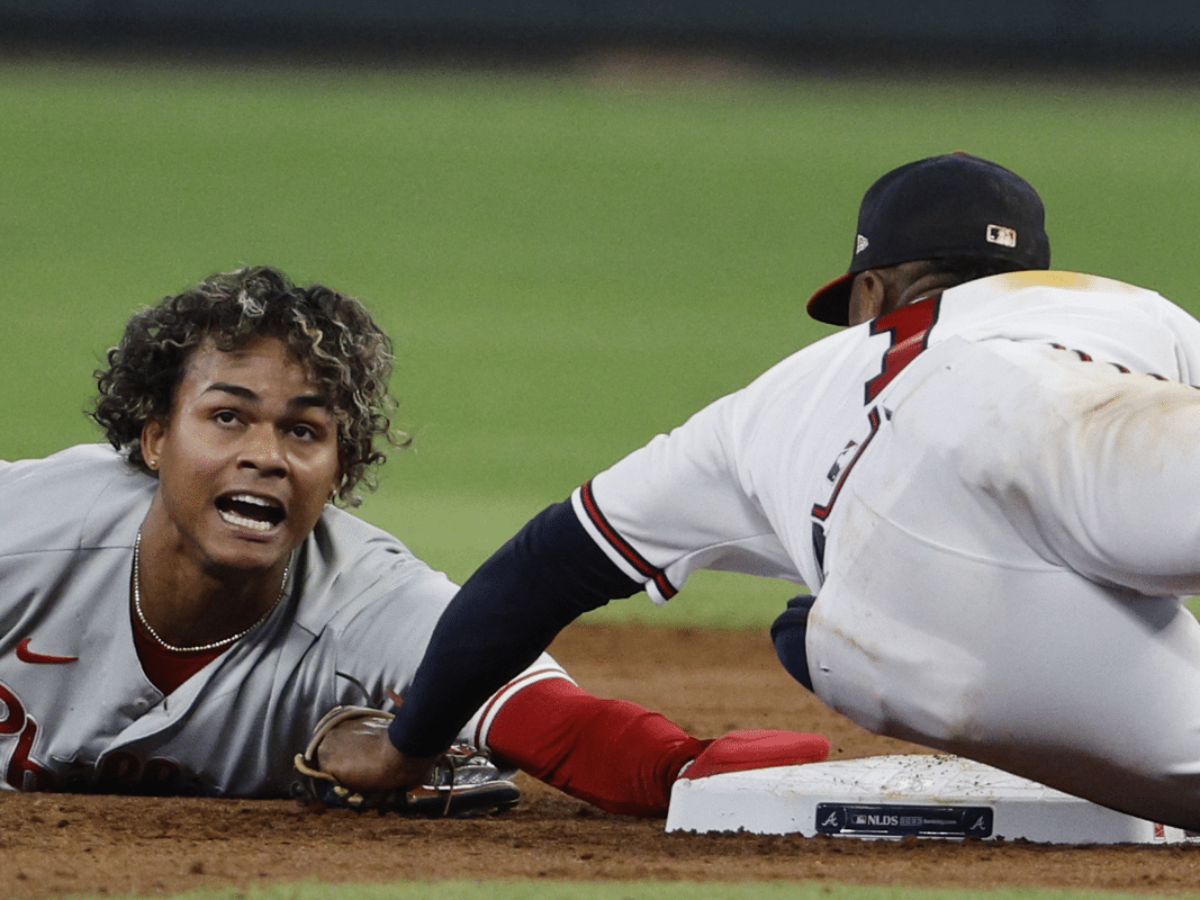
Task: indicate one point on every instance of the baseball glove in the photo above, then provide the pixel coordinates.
(464, 782)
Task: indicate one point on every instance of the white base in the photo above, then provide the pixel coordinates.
(895, 796)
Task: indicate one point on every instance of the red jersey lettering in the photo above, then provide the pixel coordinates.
(909, 327)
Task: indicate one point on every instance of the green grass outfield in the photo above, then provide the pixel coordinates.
(567, 264)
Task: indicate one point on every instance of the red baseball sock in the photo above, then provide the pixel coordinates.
(615, 754)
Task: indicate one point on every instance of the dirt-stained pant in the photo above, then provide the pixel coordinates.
(1007, 569)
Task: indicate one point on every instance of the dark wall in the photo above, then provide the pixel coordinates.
(1092, 31)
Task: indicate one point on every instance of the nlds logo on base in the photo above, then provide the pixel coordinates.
(886, 820)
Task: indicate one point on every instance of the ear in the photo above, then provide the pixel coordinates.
(153, 434)
(868, 294)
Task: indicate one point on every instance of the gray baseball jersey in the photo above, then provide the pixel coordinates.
(993, 493)
(80, 714)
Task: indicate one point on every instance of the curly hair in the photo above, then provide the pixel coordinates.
(333, 336)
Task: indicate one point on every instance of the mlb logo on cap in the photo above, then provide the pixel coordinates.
(998, 234)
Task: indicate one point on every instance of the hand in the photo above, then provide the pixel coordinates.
(360, 755)
(351, 763)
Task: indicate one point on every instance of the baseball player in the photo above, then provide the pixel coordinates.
(178, 610)
(989, 480)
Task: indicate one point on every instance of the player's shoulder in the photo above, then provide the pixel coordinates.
(72, 458)
(1023, 305)
(346, 539)
(75, 471)
(812, 369)
(349, 565)
(1052, 288)
(81, 496)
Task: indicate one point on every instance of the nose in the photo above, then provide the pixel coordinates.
(263, 450)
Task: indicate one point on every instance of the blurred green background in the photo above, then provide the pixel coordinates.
(568, 262)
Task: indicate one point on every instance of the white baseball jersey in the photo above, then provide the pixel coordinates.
(80, 714)
(994, 493)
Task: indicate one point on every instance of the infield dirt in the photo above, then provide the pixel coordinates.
(708, 681)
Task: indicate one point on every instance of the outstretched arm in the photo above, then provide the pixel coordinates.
(620, 756)
(502, 618)
(505, 615)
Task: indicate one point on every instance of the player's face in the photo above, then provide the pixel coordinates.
(247, 458)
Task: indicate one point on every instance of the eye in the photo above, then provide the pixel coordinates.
(306, 431)
(225, 416)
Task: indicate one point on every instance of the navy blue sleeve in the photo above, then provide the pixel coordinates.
(502, 618)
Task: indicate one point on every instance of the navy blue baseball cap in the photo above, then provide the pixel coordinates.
(955, 206)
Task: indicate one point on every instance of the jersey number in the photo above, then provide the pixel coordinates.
(909, 328)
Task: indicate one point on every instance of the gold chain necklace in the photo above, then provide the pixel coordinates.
(137, 607)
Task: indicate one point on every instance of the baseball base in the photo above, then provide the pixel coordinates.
(882, 797)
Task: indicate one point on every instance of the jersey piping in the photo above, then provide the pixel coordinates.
(624, 550)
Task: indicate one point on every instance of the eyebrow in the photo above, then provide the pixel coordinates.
(305, 401)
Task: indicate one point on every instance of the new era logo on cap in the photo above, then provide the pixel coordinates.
(861, 244)
(1005, 237)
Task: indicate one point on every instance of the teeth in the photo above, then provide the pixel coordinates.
(242, 522)
(250, 498)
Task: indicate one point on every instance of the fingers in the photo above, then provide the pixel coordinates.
(361, 757)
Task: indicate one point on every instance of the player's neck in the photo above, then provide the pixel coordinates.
(921, 288)
(187, 605)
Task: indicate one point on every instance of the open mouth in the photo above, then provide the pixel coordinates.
(249, 511)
